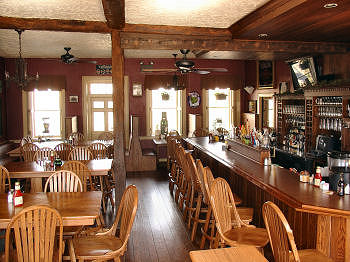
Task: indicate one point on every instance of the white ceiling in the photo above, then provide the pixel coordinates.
(44, 44)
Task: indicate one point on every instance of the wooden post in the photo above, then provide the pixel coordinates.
(118, 116)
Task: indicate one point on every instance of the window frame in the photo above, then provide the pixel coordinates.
(234, 105)
(26, 111)
(181, 107)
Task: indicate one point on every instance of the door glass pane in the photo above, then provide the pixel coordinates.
(162, 98)
(46, 100)
(98, 104)
(110, 121)
(171, 117)
(110, 104)
(219, 98)
(101, 89)
(99, 121)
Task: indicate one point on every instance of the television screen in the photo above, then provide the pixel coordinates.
(303, 72)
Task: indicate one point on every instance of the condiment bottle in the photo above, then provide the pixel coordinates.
(17, 196)
(318, 177)
(10, 196)
(341, 186)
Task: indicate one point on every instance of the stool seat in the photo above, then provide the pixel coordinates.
(249, 236)
(311, 255)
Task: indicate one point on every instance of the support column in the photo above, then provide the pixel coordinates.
(118, 116)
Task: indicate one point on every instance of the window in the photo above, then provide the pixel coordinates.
(221, 108)
(165, 100)
(45, 117)
(98, 106)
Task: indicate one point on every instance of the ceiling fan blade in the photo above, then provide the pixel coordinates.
(158, 70)
(201, 72)
(86, 61)
(213, 69)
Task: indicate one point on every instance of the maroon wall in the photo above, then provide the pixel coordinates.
(245, 70)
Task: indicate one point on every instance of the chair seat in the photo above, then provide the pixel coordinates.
(257, 237)
(246, 214)
(91, 246)
(312, 255)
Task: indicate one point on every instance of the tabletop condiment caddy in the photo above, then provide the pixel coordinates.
(316, 180)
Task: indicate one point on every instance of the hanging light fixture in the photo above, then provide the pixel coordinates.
(21, 77)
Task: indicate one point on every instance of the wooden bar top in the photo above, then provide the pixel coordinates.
(277, 181)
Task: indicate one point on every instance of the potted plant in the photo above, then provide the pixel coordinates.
(165, 96)
(220, 96)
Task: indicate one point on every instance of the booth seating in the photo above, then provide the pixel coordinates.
(135, 160)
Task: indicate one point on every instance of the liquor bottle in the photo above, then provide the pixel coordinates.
(341, 185)
(52, 160)
(318, 177)
(17, 196)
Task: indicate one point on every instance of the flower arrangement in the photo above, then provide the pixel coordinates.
(165, 96)
(220, 96)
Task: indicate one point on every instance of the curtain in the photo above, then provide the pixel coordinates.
(53, 82)
(165, 81)
(211, 81)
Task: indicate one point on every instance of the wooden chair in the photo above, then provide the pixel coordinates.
(171, 162)
(106, 136)
(28, 151)
(106, 245)
(25, 140)
(200, 132)
(63, 181)
(231, 229)
(99, 151)
(34, 232)
(222, 131)
(207, 179)
(43, 154)
(173, 133)
(110, 151)
(82, 171)
(282, 239)
(4, 175)
(63, 150)
(80, 153)
(77, 138)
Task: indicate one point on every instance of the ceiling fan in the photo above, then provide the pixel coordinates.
(68, 58)
(184, 66)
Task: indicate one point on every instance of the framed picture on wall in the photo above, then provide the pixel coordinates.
(252, 106)
(137, 89)
(73, 99)
(265, 74)
(284, 87)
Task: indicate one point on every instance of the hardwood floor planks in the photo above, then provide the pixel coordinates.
(159, 233)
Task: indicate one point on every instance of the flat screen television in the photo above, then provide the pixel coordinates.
(303, 72)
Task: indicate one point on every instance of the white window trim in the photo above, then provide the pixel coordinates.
(26, 112)
(149, 113)
(234, 104)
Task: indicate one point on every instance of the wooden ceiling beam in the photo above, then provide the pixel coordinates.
(146, 41)
(262, 15)
(177, 30)
(115, 13)
(53, 25)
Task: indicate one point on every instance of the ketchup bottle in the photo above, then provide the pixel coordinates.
(17, 196)
(318, 177)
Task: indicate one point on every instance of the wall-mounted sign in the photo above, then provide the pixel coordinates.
(194, 99)
(103, 69)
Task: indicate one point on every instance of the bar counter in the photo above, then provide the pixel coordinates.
(318, 220)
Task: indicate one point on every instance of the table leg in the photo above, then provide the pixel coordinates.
(36, 184)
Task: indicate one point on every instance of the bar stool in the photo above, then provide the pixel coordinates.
(225, 213)
(282, 239)
(206, 179)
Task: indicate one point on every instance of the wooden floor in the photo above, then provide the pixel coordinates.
(158, 233)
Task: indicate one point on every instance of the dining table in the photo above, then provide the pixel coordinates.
(76, 209)
(36, 172)
(230, 254)
(16, 152)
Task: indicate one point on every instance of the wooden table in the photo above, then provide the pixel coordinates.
(231, 254)
(76, 209)
(52, 143)
(32, 170)
(161, 147)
